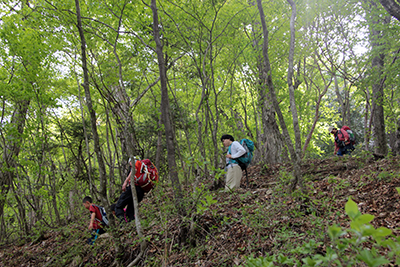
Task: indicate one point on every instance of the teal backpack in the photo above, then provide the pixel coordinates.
(245, 160)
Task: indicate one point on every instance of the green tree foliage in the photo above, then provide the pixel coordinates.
(212, 52)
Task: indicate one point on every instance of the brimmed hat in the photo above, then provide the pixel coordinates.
(330, 128)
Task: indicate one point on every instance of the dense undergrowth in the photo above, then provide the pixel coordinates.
(261, 225)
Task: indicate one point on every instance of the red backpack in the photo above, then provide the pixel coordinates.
(148, 175)
(352, 137)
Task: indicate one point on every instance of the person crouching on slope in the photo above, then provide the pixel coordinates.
(95, 225)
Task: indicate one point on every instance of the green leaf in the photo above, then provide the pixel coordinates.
(335, 232)
(365, 218)
(382, 232)
(398, 190)
(308, 261)
(331, 255)
(352, 209)
(259, 262)
(371, 260)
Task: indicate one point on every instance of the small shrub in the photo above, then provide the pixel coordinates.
(360, 244)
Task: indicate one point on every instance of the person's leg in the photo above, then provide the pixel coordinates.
(92, 238)
(348, 149)
(139, 193)
(101, 231)
(124, 199)
(237, 174)
(340, 152)
(130, 210)
(233, 177)
(229, 182)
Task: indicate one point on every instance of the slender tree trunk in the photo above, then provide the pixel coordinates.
(22, 214)
(186, 134)
(297, 165)
(367, 129)
(90, 169)
(93, 119)
(396, 148)
(165, 114)
(11, 151)
(343, 101)
(53, 193)
(376, 37)
(159, 143)
(271, 142)
(271, 88)
(96, 139)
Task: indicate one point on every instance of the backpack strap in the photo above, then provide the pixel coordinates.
(231, 161)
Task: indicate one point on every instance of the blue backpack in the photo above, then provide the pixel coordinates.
(245, 160)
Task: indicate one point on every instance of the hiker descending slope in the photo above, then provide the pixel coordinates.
(234, 172)
(344, 140)
(98, 219)
(144, 176)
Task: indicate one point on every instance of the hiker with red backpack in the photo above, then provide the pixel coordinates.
(98, 219)
(344, 140)
(144, 174)
(234, 172)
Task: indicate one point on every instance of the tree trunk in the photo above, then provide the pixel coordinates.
(380, 140)
(288, 141)
(392, 7)
(159, 144)
(11, 151)
(296, 127)
(270, 140)
(173, 172)
(53, 192)
(367, 125)
(343, 101)
(396, 147)
(90, 169)
(93, 119)
(102, 170)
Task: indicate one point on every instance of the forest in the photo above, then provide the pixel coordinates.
(87, 85)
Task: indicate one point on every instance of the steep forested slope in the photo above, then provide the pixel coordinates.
(260, 220)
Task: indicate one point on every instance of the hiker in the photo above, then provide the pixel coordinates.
(342, 141)
(125, 199)
(96, 227)
(234, 172)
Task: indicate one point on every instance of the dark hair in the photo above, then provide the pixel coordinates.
(227, 136)
(87, 198)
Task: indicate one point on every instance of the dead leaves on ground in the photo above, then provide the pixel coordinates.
(253, 220)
